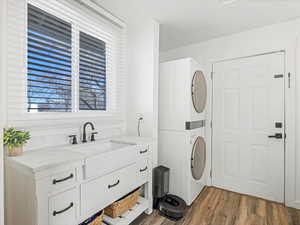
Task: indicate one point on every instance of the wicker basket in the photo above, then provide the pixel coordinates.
(124, 204)
(95, 220)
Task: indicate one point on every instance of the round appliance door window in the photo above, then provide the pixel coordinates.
(199, 91)
(198, 159)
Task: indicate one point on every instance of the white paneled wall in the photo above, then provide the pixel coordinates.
(16, 21)
(271, 38)
(2, 105)
(139, 92)
(142, 96)
(142, 76)
(16, 30)
(50, 129)
(46, 135)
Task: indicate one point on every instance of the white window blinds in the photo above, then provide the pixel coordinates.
(92, 73)
(64, 60)
(49, 64)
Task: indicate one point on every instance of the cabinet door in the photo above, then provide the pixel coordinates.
(63, 208)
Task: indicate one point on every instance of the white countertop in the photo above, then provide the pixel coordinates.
(44, 159)
(39, 160)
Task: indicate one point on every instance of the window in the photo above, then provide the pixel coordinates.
(51, 53)
(65, 60)
(92, 73)
(49, 63)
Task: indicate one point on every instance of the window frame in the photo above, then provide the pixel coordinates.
(110, 77)
(67, 20)
(107, 87)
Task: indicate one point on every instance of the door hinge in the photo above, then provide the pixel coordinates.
(289, 82)
(211, 124)
(211, 75)
(210, 173)
(278, 76)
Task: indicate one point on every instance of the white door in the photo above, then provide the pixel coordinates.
(248, 122)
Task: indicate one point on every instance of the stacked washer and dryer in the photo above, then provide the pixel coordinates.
(182, 112)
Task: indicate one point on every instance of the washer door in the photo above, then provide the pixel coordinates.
(199, 91)
(198, 159)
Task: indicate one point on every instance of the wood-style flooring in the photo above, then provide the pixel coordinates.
(219, 207)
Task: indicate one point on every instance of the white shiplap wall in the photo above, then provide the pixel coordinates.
(51, 129)
(2, 104)
(46, 135)
(143, 66)
(85, 20)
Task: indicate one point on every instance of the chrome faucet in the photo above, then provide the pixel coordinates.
(84, 140)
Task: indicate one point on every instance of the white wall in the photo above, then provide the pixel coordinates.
(141, 99)
(143, 58)
(271, 38)
(46, 130)
(2, 108)
(143, 53)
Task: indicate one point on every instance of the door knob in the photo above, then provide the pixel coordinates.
(277, 136)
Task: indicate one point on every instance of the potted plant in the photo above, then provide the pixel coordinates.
(14, 140)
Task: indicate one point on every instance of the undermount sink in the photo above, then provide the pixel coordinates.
(97, 147)
(105, 156)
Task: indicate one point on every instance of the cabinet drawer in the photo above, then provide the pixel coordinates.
(103, 164)
(142, 171)
(63, 179)
(63, 208)
(143, 150)
(99, 193)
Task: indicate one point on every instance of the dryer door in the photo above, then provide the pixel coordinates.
(198, 159)
(199, 91)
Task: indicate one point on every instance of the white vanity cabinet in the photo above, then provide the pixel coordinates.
(102, 191)
(49, 197)
(63, 187)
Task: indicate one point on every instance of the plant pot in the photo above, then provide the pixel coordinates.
(16, 151)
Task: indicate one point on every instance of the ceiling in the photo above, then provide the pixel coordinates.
(189, 21)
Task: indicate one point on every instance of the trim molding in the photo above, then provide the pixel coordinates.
(103, 12)
(2, 101)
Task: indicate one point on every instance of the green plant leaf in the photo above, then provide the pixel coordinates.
(15, 138)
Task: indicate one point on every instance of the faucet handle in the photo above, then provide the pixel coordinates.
(93, 136)
(74, 139)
